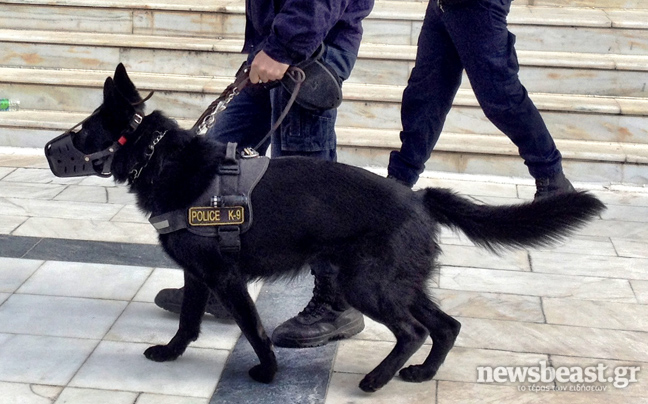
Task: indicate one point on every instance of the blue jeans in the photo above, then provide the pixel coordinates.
(471, 36)
(250, 115)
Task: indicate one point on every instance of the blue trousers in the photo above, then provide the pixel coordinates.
(471, 36)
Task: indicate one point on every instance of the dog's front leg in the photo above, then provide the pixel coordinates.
(233, 293)
(193, 307)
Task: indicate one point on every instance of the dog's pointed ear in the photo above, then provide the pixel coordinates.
(108, 89)
(125, 86)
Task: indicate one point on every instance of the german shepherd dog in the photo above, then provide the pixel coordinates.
(379, 235)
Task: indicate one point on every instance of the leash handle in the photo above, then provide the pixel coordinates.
(298, 76)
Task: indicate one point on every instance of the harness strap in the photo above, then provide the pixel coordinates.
(229, 191)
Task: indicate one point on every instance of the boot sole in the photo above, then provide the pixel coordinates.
(347, 331)
(175, 308)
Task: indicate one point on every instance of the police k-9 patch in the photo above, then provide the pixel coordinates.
(209, 216)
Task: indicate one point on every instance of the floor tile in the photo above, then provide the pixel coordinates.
(466, 393)
(553, 339)
(38, 175)
(588, 265)
(122, 366)
(41, 359)
(3, 297)
(71, 395)
(10, 223)
(137, 233)
(121, 195)
(14, 272)
(16, 247)
(631, 248)
(161, 278)
(77, 279)
(490, 305)
(130, 214)
(640, 289)
(589, 313)
(464, 256)
(626, 213)
(147, 323)
(147, 398)
(58, 209)
(103, 252)
(21, 393)
(29, 191)
(4, 171)
(616, 229)
(597, 246)
(59, 316)
(344, 389)
(79, 193)
(536, 284)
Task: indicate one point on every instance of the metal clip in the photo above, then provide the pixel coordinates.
(248, 153)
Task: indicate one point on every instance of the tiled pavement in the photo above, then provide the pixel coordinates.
(79, 267)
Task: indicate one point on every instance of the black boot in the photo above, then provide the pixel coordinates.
(327, 317)
(552, 186)
(171, 300)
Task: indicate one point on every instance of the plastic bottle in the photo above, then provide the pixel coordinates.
(9, 105)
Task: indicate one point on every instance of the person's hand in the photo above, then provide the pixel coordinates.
(265, 69)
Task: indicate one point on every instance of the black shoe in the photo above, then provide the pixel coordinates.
(316, 325)
(556, 185)
(171, 300)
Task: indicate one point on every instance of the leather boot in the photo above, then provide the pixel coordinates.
(552, 186)
(327, 317)
(171, 300)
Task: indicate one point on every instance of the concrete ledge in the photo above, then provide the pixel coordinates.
(499, 145)
(352, 91)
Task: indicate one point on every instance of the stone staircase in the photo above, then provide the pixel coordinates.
(584, 62)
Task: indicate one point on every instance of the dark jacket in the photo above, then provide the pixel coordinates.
(293, 29)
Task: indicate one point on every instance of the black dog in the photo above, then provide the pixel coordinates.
(379, 234)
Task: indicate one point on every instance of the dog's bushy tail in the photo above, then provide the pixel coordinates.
(533, 224)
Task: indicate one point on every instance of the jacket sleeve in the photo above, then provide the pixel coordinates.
(300, 26)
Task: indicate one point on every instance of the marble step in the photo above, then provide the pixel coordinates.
(394, 22)
(547, 72)
(587, 161)
(572, 117)
(590, 161)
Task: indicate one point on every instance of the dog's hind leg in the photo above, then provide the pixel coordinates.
(383, 305)
(232, 292)
(193, 307)
(443, 331)
(410, 335)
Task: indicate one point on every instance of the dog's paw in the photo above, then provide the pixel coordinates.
(160, 353)
(263, 374)
(373, 382)
(416, 374)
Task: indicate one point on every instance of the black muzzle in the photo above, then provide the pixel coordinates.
(65, 160)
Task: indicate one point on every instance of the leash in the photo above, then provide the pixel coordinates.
(242, 80)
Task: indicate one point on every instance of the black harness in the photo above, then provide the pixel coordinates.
(224, 210)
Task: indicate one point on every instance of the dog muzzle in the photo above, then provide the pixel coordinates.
(65, 160)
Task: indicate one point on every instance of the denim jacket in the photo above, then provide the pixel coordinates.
(290, 31)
